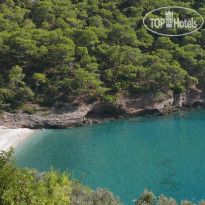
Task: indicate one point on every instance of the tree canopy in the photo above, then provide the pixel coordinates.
(58, 50)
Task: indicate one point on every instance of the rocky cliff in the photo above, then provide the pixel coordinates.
(77, 115)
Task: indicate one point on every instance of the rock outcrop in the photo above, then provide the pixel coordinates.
(78, 115)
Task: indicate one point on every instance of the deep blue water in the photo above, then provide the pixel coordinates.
(164, 154)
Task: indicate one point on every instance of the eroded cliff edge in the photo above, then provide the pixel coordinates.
(126, 106)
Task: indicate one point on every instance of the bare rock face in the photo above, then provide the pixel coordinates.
(189, 98)
(71, 117)
(78, 115)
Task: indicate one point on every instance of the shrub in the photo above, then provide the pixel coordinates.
(84, 195)
(147, 198)
(30, 111)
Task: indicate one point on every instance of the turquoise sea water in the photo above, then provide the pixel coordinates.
(164, 154)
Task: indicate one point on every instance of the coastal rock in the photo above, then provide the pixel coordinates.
(145, 104)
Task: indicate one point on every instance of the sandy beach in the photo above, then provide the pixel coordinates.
(13, 137)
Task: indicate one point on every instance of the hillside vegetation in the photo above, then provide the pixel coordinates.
(28, 187)
(62, 50)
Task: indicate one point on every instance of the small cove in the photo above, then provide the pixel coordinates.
(164, 154)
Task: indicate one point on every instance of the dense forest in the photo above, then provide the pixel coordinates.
(62, 50)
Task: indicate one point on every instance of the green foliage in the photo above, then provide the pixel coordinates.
(109, 98)
(147, 198)
(55, 189)
(17, 186)
(24, 186)
(29, 111)
(84, 195)
(63, 49)
(160, 96)
(164, 200)
(16, 76)
(39, 78)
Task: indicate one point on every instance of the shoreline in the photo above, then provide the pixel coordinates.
(63, 121)
(79, 114)
(13, 137)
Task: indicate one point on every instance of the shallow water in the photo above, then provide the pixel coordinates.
(164, 154)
